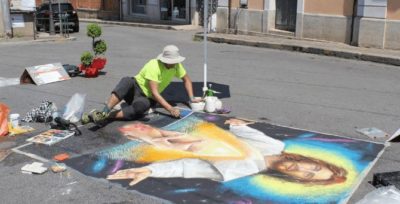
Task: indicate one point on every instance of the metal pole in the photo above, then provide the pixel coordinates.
(51, 22)
(229, 15)
(34, 25)
(353, 17)
(205, 44)
(6, 18)
(59, 18)
(121, 10)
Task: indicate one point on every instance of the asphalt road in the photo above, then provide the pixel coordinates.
(318, 93)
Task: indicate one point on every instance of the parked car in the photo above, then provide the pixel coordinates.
(69, 16)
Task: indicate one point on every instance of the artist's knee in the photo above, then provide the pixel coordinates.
(141, 106)
(126, 80)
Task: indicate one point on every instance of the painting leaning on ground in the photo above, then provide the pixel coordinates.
(207, 158)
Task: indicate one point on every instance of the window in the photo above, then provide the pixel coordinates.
(63, 7)
(179, 9)
(139, 6)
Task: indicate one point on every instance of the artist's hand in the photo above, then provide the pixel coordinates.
(136, 174)
(196, 100)
(175, 112)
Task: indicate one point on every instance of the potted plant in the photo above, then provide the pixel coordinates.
(99, 46)
(86, 65)
(86, 60)
(99, 49)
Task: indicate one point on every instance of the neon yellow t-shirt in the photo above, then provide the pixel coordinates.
(155, 70)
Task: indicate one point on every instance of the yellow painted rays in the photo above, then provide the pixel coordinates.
(214, 144)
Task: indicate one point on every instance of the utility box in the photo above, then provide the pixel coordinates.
(22, 23)
(22, 17)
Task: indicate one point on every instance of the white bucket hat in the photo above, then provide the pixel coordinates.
(170, 55)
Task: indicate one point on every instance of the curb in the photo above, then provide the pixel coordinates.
(143, 25)
(55, 39)
(306, 49)
(52, 39)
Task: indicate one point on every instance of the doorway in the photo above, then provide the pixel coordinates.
(286, 12)
(174, 10)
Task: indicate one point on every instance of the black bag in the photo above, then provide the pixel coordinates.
(72, 70)
(62, 124)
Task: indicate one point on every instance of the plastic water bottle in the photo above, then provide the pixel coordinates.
(210, 104)
(209, 91)
(54, 110)
(218, 104)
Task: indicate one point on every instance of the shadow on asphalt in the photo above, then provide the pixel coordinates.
(175, 92)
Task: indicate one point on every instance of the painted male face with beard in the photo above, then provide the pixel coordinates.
(308, 170)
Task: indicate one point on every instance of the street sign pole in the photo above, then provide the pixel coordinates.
(60, 17)
(205, 15)
(51, 21)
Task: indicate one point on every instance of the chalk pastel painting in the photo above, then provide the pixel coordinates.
(205, 158)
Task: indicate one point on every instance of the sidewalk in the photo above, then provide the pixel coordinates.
(384, 56)
(145, 25)
(41, 37)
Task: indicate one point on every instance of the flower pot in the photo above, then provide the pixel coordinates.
(91, 72)
(99, 63)
(82, 67)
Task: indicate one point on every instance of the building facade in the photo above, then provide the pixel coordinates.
(100, 9)
(161, 11)
(148, 11)
(366, 23)
(17, 18)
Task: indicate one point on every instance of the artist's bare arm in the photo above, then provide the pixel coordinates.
(157, 96)
(189, 88)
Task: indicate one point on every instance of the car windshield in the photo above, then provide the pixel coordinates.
(63, 7)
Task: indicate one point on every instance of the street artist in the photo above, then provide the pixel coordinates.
(144, 90)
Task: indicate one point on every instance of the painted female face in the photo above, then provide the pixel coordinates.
(306, 170)
(140, 131)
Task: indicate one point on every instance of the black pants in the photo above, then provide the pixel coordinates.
(136, 102)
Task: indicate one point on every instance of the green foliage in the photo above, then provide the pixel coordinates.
(93, 30)
(86, 58)
(99, 47)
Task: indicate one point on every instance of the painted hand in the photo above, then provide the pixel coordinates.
(234, 121)
(167, 133)
(136, 174)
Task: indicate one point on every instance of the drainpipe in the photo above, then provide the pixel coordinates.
(355, 4)
(229, 15)
(121, 10)
(238, 10)
(190, 12)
